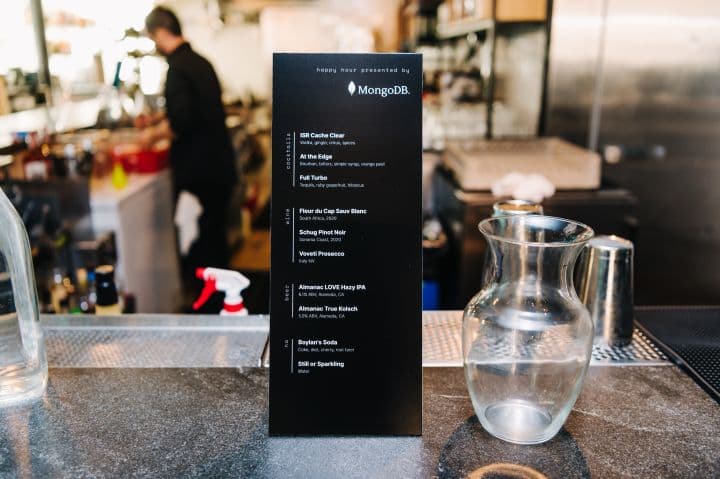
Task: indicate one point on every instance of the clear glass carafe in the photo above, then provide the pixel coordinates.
(527, 338)
(23, 367)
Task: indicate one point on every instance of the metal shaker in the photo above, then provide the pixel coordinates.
(604, 282)
(507, 208)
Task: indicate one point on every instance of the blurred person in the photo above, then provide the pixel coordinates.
(201, 153)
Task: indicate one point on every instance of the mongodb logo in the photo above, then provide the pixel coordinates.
(379, 91)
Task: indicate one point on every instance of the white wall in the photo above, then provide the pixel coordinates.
(234, 50)
(242, 53)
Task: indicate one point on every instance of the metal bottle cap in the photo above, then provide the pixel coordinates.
(516, 207)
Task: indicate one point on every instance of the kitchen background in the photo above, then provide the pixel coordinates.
(617, 102)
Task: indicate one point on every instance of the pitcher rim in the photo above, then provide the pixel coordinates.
(584, 237)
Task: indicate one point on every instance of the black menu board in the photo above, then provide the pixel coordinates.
(346, 271)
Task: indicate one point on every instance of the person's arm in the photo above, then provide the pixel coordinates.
(152, 134)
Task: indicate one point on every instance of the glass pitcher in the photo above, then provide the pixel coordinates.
(23, 367)
(527, 338)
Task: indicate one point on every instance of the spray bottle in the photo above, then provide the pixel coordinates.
(229, 282)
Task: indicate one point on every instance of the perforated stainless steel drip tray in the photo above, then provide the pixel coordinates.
(442, 332)
(172, 341)
(154, 341)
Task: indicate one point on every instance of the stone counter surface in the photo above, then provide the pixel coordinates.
(629, 422)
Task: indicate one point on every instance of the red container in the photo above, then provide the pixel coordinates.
(135, 160)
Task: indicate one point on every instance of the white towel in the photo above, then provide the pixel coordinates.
(524, 187)
(187, 213)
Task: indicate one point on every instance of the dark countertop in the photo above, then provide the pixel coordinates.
(629, 422)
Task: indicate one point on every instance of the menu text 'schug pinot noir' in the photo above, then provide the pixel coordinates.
(346, 272)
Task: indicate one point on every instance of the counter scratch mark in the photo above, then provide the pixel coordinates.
(620, 423)
(452, 396)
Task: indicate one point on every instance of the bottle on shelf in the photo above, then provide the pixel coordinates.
(88, 305)
(59, 293)
(87, 158)
(36, 168)
(56, 164)
(78, 298)
(71, 159)
(107, 302)
(129, 303)
(119, 177)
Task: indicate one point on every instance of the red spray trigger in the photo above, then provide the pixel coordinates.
(208, 290)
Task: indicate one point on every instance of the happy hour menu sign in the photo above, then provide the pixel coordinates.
(346, 268)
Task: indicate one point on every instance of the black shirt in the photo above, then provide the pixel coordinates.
(201, 154)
